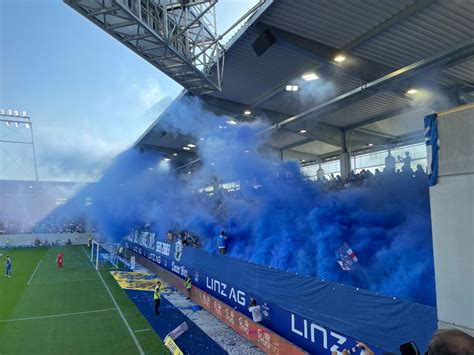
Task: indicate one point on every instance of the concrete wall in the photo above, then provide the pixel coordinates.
(28, 239)
(452, 216)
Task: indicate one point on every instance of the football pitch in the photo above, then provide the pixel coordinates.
(76, 310)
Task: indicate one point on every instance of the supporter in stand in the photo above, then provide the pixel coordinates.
(390, 162)
(360, 345)
(170, 236)
(320, 173)
(221, 242)
(451, 342)
(406, 168)
(256, 311)
(419, 172)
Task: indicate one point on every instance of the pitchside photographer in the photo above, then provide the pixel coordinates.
(443, 342)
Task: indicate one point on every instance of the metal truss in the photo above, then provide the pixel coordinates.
(12, 120)
(179, 37)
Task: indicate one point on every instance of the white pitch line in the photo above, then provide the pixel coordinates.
(132, 334)
(57, 315)
(142, 330)
(34, 272)
(62, 282)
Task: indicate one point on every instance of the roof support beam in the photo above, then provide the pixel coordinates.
(324, 55)
(408, 11)
(442, 59)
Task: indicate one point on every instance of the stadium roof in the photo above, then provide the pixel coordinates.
(361, 103)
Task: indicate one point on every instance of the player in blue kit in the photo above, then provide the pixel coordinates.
(9, 267)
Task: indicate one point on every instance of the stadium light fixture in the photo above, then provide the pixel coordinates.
(310, 76)
(247, 112)
(291, 88)
(232, 122)
(303, 160)
(189, 173)
(303, 131)
(370, 145)
(186, 148)
(166, 159)
(175, 154)
(190, 145)
(412, 91)
(340, 58)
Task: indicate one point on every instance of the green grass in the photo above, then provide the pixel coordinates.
(52, 295)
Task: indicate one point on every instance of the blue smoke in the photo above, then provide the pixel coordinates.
(275, 218)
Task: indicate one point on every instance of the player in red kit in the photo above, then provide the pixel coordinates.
(60, 259)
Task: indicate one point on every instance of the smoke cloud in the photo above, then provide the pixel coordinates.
(275, 218)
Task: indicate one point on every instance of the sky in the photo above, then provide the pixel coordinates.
(89, 97)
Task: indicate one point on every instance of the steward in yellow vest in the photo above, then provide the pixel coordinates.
(188, 285)
(157, 297)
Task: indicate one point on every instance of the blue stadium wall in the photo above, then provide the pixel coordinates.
(318, 316)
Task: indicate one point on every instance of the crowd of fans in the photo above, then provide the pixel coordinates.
(185, 237)
(11, 225)
(366, 177)
(57, 224)
(51, 224)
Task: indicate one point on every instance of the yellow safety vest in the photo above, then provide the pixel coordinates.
(157, 295)
(187, 284)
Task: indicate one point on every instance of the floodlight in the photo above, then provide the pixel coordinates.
(303, 131)
(339, 58)
(247, 112)
(186, 148)
(291, 87)
(189, 172)
(303, 160)
(310, 76)
(231, 122)
(175, 154)
(166, 159)
(190, 145)
(412, 91)
(370, 144)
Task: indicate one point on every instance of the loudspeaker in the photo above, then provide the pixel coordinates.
(264, 41)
